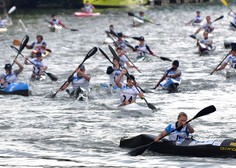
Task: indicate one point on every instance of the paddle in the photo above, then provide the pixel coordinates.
(219, 64)
(232, 24)
(22, 44)
(51, 76)
(124, 54)
(62, 26)
(17, 43)
(151, 106)
(146, 20)
(162, 58)
(89, 54)
(139, 150)
(12, 9)
(225, 3)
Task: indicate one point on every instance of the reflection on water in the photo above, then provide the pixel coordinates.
(39, 131)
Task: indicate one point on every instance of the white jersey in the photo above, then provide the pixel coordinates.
(142, 50)
(176, 135)
(10, 78)
(197, 19)
(234, 17)
(113, 76)
(79, 82)
(208, 27)
(88, 8)
(3, 23)
(123, 60)
(128, 93)
(37, 66)
(231, 60)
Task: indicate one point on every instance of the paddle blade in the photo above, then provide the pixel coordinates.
(139, 150)
(224, 2)
(130, 14)
(16, 42)
(193, 36)
(219, 18)
(74, 30)
(23, 43)
(205, 111)
(151, 106)
(165, 59)
(113, 53)
(51, 76)
(89, 54)
(12, 10)
(105, 55)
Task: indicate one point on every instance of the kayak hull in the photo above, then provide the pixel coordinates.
(189, 147)
(116, 3)
(16, 89)
(85, 14)
(3, 29)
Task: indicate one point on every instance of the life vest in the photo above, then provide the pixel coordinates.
(128, 93)
(79, 81)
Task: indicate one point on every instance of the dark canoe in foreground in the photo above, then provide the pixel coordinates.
(16, 88)
(206, 148)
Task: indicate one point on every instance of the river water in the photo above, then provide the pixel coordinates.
(38, 131)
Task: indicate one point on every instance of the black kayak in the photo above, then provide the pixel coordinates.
(189, 147)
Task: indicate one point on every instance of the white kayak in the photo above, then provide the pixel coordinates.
(3, 29)
(137, 22)
(54, 28)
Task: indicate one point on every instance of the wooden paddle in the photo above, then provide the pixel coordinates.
(151, 106)
(51, 76)
(225, 3)
(124, 54)
(219, 64)
(139, 150)
(88, 55)
(146, 20)
(17, 42)
(63, 27)
(22, 45)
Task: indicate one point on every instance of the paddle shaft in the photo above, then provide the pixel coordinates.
(23, 43)
(219, 64)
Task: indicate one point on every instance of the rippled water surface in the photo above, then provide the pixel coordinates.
(38, 131)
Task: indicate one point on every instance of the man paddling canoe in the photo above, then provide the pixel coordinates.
(171, 78)
(38, 46)
(79, 81)
(179, 134)
(230, 59)
(56, 22)
(10, 76)
(39, 67)
(196, 20)
(88, 7)
(142, 48)
(205, 44)
(206, 27)
(128, 91)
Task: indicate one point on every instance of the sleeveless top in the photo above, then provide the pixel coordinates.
(231, 60)
(113, 76)
(176, 135)
(78, 81)
(37, 66)
(128, 93)
(10, 78)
